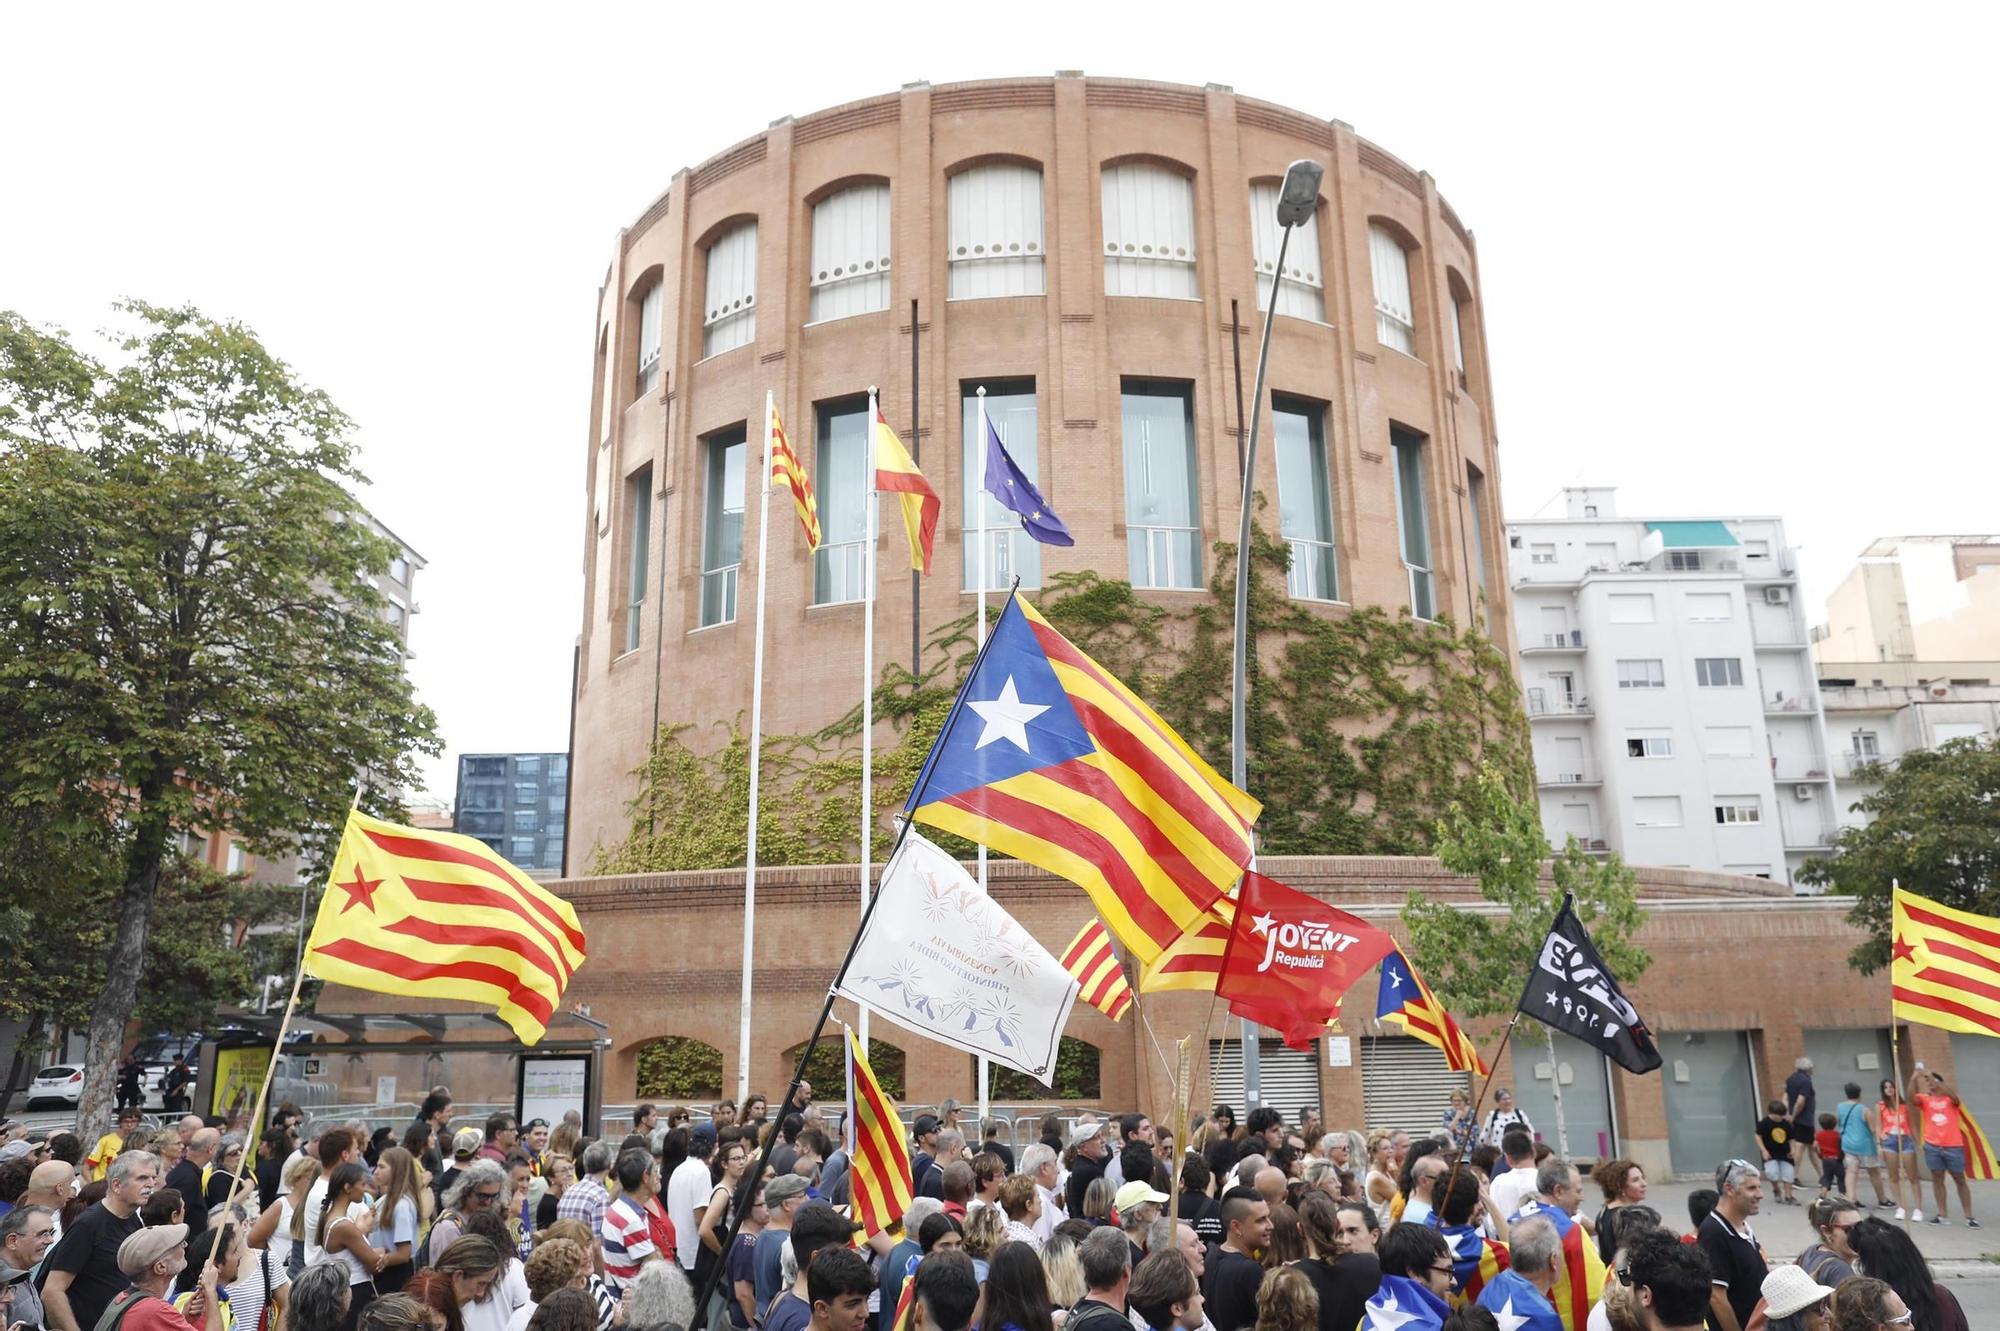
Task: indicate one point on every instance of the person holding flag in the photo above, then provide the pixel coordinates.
(1558, 1194)
(1520, 1296)
(1475, 1258)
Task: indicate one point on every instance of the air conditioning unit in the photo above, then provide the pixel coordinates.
(1777, 596)
(1802, 791)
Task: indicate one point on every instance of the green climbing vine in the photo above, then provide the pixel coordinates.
(1363, 727)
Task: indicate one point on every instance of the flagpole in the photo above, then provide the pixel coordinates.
(756, 1173)
(756, 759)
(980, 500)
(1492, 1069)
(869, 575)
(1902, 1086)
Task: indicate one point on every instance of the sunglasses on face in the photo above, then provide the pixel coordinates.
(485, 1196)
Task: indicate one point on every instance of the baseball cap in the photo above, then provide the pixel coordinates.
(15, 1150)
(466, 1144)
(783, 1188)
(704, 1131)
(925, 1125)
(1083, 1132)
(1136, 1193)
(138, 1253)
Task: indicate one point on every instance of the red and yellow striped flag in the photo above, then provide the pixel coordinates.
(439, 915)
(1979, 1160)
(1101, 979)
(898, 474)
(880, 1169)
(1193, 961)
(788, 471)
(1944, 966)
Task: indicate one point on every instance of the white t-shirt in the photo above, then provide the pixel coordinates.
(519, 1321)
(687, 1194)
(316, 1203)
(496, 1311)
(1512, 1188)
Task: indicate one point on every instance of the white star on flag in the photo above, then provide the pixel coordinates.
(1006, 717)
(1387, 1316)
(1509, 1319)
(1261, 924)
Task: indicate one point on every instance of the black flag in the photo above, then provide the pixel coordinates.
(1571, 990)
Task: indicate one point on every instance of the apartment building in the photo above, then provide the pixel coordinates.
(1669, 688)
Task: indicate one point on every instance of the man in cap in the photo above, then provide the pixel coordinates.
(464, 1150)
(1086, 1163)
(925, 1172)
(784, 1198)
(82, 1274)
(1138, 1206)
(151, 1259)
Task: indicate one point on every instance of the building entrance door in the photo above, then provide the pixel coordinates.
(1711, 1094)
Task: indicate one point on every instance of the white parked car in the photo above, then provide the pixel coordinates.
(61, 1084)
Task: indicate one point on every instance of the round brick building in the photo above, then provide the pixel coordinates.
(1097, 254)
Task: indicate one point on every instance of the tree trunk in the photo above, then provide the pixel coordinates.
(113, 1010)
(28, 1039)
(1556, 1089)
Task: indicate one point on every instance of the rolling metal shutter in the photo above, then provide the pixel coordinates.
(1288, 1078)
(1406, 1084)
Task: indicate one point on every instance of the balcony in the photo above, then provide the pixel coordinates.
(1541, 706)
(1570, 640)
(1567, 780)
(1798, 770)
(1781, 567)
(1846, 765)
(1793, 706)
(1812, 837)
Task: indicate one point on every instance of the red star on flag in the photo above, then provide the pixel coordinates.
(360, 892)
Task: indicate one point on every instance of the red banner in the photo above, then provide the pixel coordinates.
(1292, 957)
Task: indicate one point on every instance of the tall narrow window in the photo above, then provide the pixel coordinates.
(649, 338)
(1413, 521)
(850, 258)
(995, 247)
(1461, 310)
(1010, 406)
(842, 480)
(729, 318)
(639, 525)
(1305, 498)
(722, 527)
(1395, 312)
(1301, 287)
(1148, 232)
(1475, 499)
(1163, 523)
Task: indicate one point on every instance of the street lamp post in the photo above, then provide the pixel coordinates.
(1296, 200)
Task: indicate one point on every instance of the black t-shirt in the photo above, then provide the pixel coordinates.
(89, 1252)
(1776, 1134)
(994, 1146)
(1344, 1286)
(1736, 1262)
(1204, 1213)
(1230, 1292)
(185, 1178)
(1798, 1084)
(1081, 1175)
(270, 1181)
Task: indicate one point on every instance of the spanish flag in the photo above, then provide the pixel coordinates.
(438, 915)
(1100, 979)
(880, 1170)
(897, 474)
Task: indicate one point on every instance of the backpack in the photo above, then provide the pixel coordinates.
(422, 1258)
(114, 1313)
(1090, 1315)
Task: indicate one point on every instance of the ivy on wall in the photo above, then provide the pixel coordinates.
(1075, 1078)
(826, 1069)
(1363, 727)
(678, 1067)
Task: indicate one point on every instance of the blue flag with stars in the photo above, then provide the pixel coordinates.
(1017, 494)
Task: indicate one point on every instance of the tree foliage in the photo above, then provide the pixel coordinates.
(1076, 1076)
(826, 1069)
(679, 1067)
(189, 641)
(1478, 961)
(1934, 827)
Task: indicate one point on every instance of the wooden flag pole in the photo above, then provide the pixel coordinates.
(1183, 1087)
(1902, 1092)
(1492, 1070)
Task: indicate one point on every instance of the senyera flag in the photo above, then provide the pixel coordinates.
(438, 915)
(1979, 1160)
(1291, 958)
(880, 1169)
(788, 471)
(1100, 977)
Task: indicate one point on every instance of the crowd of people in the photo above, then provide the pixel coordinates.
(1097, 1225)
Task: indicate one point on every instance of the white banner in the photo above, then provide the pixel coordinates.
(948, 962)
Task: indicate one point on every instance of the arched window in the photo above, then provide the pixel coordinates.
(649, 338)
(677, 1067)
(1301, 288)
(995, 245)
(1395, 311)
(729, 318)
(850, 255)
(1461, 328)
(827, 1068)
(1148, 232)
(1076, 1076)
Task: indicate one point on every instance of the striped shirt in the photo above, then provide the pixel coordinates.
(627, 1242)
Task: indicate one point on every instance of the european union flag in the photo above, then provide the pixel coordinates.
(1016, 493)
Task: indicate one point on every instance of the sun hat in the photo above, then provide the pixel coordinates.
(1136, 1193)
(1788, 1290)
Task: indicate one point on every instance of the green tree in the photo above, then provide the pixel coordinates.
(1479, 962)
(1934, 827)
(188, 638)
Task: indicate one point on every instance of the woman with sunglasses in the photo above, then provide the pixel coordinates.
(1861, 1304)
(1794, 1301)
(228, 1160)
(1888, 1254)
(1899, 1148)
(1830, 1258)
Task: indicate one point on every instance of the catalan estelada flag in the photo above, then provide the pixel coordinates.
(897, 474)
(1475, 1259)
(1192, 962)
(1979, 1160)
(880, 1170)
(1405, 998)
(1048, 758)
(1101, 979)
(1944, 966)
(788, 471)
(439, 915)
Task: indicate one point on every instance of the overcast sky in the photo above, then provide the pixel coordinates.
(1733, 262)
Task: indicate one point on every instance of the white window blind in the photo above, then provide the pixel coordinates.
(729, 318)
(649, 338)
(1708, 605)
(1458, 336)
(1395, 313)
(1629, 607)
(1148, 232)
(1301, 287)
(995, 246)
(1656, 811)
(850, 263)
